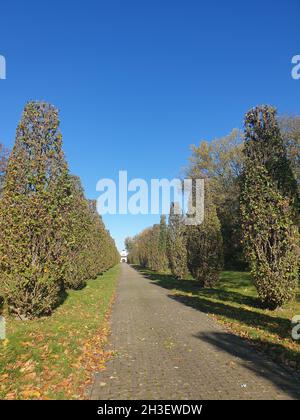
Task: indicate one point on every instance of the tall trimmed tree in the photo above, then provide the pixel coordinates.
(78, 220)
(101, 250)
(176, 243)
(268, 208)
(4, 153)
(33, 236)
(162, 243)
(221, 161)
(205, 245)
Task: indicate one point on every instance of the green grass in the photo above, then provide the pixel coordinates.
(54, 357)
(234, 303)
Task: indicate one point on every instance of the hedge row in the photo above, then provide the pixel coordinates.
(251, 211)
(51, 237)
(181, 248)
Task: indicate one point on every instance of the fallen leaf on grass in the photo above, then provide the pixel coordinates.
(29, 366)
(30, 376)
(28, 344)
(10, 396)
(31, 394)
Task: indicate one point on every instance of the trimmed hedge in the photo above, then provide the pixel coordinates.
(46, 225)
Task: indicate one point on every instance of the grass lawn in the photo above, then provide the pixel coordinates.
(55, 357)
(234, 303)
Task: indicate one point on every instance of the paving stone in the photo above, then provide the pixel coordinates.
(167, 350)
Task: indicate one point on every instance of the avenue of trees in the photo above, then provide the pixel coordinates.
(51, 237)
(252, 181)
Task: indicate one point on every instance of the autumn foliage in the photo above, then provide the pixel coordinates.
(251, 215)
(205, 245)
(149, 248)
(269, 209)
(50, 238)
(177, 243)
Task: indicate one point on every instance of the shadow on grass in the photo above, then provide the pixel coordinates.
(201, 299)
(190, 285)
(283, 379)
(62, 297)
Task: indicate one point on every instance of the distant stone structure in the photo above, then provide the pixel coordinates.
(124, 256)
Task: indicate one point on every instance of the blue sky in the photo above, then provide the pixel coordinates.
(137, 82)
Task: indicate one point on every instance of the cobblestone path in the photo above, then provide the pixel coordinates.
(167, 350)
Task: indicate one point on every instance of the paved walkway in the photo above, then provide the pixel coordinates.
(167, 350)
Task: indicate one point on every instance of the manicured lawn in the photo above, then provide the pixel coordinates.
(234, 303)
(55, 357)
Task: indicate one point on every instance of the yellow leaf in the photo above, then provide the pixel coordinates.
(31, 393)
(3, 377)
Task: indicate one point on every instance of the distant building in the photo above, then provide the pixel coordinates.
(124, 257)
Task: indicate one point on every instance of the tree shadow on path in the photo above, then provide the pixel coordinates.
(200, 299)
(285, 380)
(221, 302)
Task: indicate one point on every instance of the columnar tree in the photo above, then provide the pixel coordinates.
(78, 220)
(290, 129)
(176, 243)
(162, 244)
(205, 245)
(101, 251)
(4, 153)
(33, 236)
(268, 207)
(221, 160)
(148, 248)
(152, 248)
(138, 248)
(130, 245)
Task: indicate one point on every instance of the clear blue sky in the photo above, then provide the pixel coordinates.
(138, 81)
